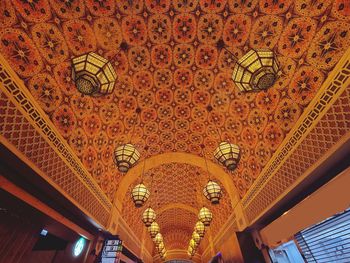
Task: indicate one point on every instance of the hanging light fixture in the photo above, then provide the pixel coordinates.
(256, 70)
(139, 194)
(212, 191)
(228, 155)
(93, 74)
(196, 237)
(160, 246)
(205, 216)
(200, 228)
(158, 239)
(148, 217)
(193, 244)
(153, 229)
(125, 157)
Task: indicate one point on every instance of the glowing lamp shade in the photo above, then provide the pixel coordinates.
(205, 216)
(212, 191)
(79, 247)
(160, 246)
(196, 237)
(257, 70)
(158, 239)
(153, 229)
(125, 157)
(93, 74)
(228, 155)
(148, 217)
(193, 244)
(140, 195)
(200, 228)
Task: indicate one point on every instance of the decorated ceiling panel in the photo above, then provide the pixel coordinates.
(170, 62)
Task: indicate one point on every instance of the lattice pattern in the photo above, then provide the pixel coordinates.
(333, 126)
(171, 66)
(22, 135)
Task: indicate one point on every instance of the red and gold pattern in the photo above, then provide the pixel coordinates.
(168, 63)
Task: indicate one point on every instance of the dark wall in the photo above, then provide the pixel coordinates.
(20, 227)
(250, 253)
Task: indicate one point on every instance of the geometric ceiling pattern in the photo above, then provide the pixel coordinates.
(169, 64)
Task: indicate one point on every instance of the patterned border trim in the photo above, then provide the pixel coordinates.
(23, 100)
(329, 92)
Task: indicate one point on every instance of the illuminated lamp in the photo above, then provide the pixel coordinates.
(205, 216)
(256, 70)
(212, 191)
(160, 246)
(196, 237)
(153, 229)
(158, 239)
(200, 228)
(228, 155)
(193, 244)
(125, 157)
(148, 217)
(93, 74)
(140, 194)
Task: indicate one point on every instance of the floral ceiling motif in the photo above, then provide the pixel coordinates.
(168, 63)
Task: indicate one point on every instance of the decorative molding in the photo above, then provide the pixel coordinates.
(334, 86)
(16, 92)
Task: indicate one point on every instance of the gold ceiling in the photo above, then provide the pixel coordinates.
(168, 64)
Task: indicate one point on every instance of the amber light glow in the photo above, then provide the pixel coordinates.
(154, 229)
(148, 217)
(140, 194)
(256, 70)
(212, 191)
(93, 74)
(228, 155)
(125, 157)
(200, 228)
(205, 216)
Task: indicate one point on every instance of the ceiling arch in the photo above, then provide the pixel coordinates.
(178, 157)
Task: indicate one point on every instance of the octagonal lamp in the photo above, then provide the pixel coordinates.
(153, 229)
(200, 228)
(196, 237)
(257, 70)
(228, 155)
(125, 157)
(205, 216)
(93, 74)
(212, 191)
(140, 194)
(148, 217)
(158, 239)
(193, 244)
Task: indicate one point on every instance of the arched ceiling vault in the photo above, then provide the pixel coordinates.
(168, 62)
(215, 170)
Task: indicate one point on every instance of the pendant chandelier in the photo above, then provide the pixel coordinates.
(205, 216)
(191, 251)
(160, 246)
(196, 237)
(200, 228)
(126, 156)
(212, 191)
(158, 239)
(193, 244)
(93, 74)
(228, 155)
(153, 229)
(148, 217)
(139, 194)
(256, 70)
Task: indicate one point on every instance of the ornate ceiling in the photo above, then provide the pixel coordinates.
(168, 63)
